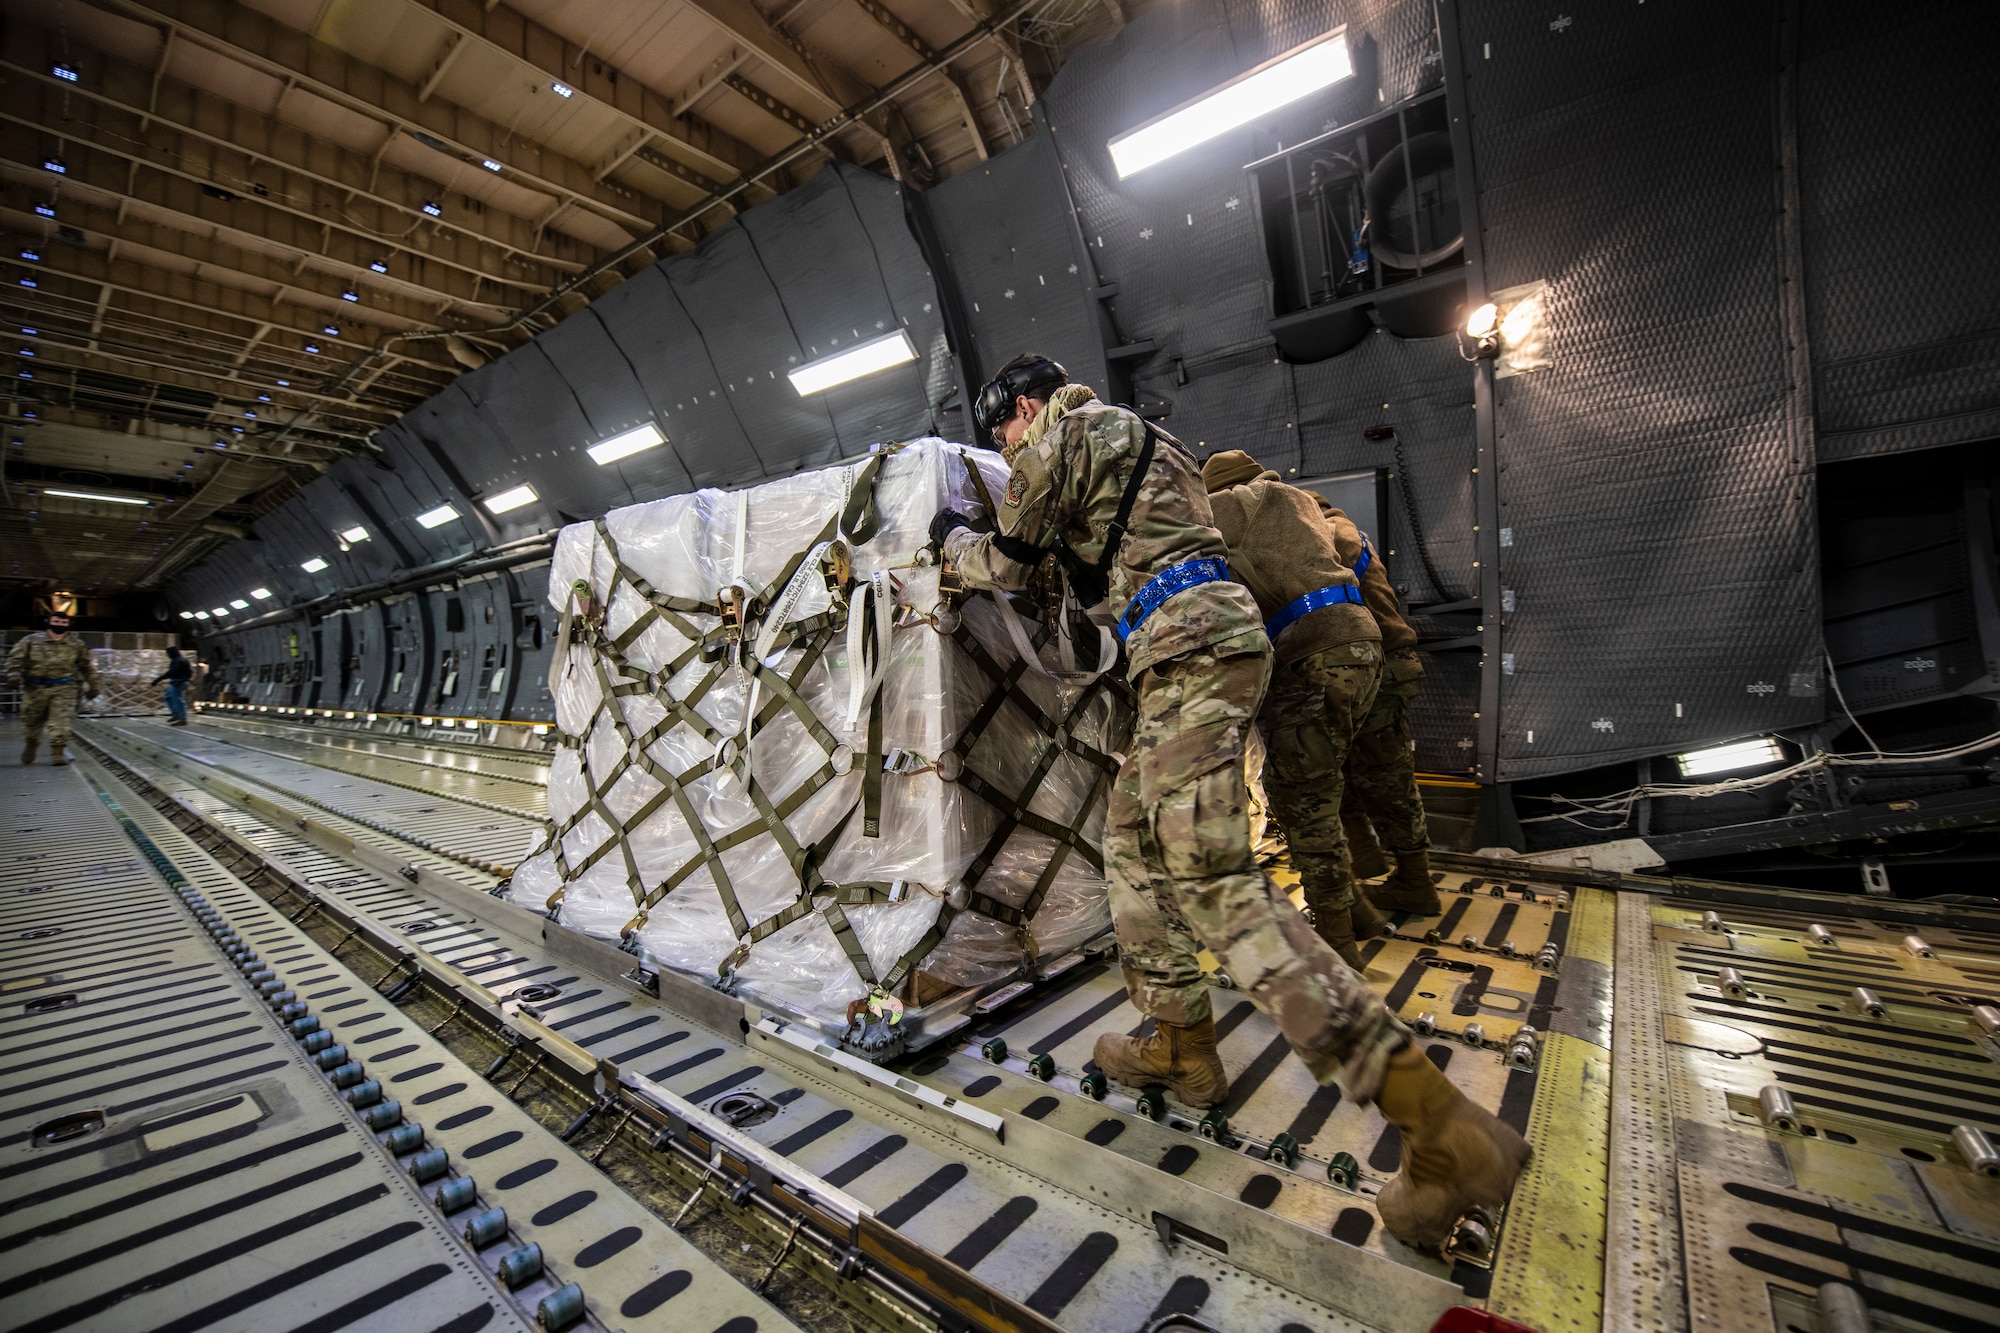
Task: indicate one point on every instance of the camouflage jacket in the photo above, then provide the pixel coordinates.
(39, 655)
(1067, 482)
(1280, 548)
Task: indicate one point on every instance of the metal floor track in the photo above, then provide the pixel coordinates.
(1664, 1194)
(180, 1153)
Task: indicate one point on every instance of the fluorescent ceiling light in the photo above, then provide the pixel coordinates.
(1298, 73)
(489, 164)
(261, 594)
(876, 354)
(187, 615)
(562, 90)
(239, 604)
(201, 615)
(92, 495)
(220, 611)
(314, 565)
(510, 499)
(636, 440)
(431, 518)
(1729, 758)
(354, 534)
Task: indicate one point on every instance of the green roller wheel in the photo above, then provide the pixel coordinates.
(1344, 1171)
(1092, 1085)
(995, 1049)
(1284, 1150)
(1043, 1066)
(1153, 1102)
(1214, 1127)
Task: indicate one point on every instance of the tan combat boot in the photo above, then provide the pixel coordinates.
(1365, 853)
(1410, 888)
(1182, 1058)
(1369, 924)
(1456, 1155)
(30, 750)
(56, 755)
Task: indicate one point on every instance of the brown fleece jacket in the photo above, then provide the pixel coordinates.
(1281, 549)
(1382, 601)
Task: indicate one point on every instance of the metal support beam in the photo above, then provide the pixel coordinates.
(454, 44)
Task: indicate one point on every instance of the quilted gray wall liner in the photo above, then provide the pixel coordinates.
(1656, 487)
(1898, 159)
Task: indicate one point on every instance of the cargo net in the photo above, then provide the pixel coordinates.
(125, 682)
(792, 766)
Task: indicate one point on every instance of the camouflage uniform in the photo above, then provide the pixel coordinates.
(1328, 664)
(1381, 766)
(40, 658)
(1177, 835)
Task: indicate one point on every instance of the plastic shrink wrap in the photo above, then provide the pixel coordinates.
(788, 767)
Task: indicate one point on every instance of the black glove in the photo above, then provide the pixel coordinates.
(947, 522)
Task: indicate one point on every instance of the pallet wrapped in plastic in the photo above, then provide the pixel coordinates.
(792, 768)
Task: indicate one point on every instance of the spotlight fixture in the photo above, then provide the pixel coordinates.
(314, 565)
(626, 443)
(431, 209)
(1511, 330)
(562, 90)
(1730, 758)
(876, 354)
(1300, 72)
(512, 498)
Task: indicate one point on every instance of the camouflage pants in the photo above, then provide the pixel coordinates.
(1381, 770)
(1177, 854)
(1310, 716)
(50, 706)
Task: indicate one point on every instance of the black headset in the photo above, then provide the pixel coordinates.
(996, 401)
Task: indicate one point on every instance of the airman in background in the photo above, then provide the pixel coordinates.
(49, 668)
(1328, 663)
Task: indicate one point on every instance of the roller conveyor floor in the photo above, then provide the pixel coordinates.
(1715, 1200)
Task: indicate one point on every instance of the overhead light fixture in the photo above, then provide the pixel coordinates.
(219, 611)
(45, 210)
(284, 384)
(357, 533)
(313, 348)
(1300, 72)
(432, 210)
(562, 90)
(201, 615)
(250, 415)
(432, 518)
(512, 498)
(56, 165)
(27, 351)
(1729, 758)
(93, 495)
(29, 282)
(331, 330)
(263, 397)
(379, 266)
(1482, 320)
(187, 615)
(624, 445)
(33, 256)
(67, 73)
(876, 354)
(349, 294)
(261, 594)
(314, 565)
(489, 164)
(239, 604)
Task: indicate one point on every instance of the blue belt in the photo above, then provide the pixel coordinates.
(1361, 565)
(1307, 604)
(47, 680)
(1167, 583)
